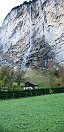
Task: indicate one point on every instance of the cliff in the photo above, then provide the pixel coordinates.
(32, 34)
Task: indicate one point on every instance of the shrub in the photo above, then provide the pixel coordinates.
(14, 85)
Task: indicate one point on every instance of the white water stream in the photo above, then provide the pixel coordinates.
(30, 39)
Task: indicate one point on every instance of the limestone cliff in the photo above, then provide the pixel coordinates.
(32, 34)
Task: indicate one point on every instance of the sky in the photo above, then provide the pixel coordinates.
(6, 6)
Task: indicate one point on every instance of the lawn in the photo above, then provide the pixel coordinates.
(35, 114)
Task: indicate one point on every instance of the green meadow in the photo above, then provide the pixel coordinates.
(34, 114)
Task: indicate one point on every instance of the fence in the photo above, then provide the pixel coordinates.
(29, 93)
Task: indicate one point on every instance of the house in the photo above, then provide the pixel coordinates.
(29, 85)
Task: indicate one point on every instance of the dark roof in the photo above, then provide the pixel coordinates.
(28, 84)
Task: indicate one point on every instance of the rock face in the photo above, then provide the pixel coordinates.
(32, 34)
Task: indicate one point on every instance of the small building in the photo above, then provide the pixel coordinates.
(30, 86)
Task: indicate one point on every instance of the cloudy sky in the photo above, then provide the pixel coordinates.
(6, 6)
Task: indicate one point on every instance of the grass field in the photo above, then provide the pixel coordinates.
(35, 114)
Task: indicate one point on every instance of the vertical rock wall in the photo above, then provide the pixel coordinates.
(32, 34)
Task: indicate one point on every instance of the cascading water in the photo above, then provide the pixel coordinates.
(30, 30)
(45, 61)
(30, 40)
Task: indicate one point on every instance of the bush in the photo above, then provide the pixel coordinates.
(14, 86)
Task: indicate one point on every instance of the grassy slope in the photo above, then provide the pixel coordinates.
(35, 114)
(39, 77)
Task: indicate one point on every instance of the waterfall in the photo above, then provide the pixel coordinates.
(30, 29)
(45, 62)
(42, 17)
(30, 39)
(30, 36)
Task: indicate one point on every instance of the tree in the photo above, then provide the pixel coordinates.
(10, 75)
(0, 84)
(4, 71)
(54, 69)
(14, 85)
(17, 76)
(5, 81)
